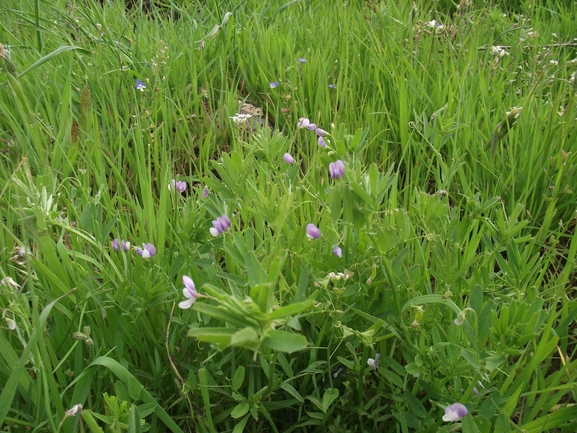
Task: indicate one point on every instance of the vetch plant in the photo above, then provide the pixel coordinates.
(455, 412)
(374, 363)
(288, 158)
(220, 225)
(337, 169)
(147, 251)
(337, 251)
(189, 293)
(313, 231)
(117, 244)
(177, 185)
(306, 123)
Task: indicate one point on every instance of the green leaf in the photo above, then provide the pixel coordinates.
(61, 49)
(275, 268)
(203, 380)
(415, 405)
(223, 314)
(91, 422)
(238, 378)
(468, 425)
(329, 396)
(19, 369)
(134, 420)
(292, 391)
(219, 336)
(239, 428)
(292, 309)
(241, 409)
(284, 341)
(246, 337)
(494, 361)
(470, 357)
(256, 273)
(431, 299)
(134, 388)
(124, 375)
(503, 424)
(263, 296)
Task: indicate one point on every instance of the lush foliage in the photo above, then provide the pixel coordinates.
(411, 250)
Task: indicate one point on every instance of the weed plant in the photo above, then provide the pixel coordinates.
(370, 206)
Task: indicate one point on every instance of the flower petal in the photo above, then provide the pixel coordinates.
(186, 304)
(188, 283)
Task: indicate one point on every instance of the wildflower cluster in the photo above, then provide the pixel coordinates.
(147, 251)
(321, 133)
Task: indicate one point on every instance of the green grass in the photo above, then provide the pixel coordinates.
(450, 209)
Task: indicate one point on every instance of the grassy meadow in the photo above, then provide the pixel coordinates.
(288, 216)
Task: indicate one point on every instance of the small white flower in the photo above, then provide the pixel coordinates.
(498, 51)
(9, 281)
(10, 323)
(374, 363)
(240, 117)
(75, 410)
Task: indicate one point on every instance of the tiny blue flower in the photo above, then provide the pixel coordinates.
(140, 85)
(337, 251)
(273, 84)
(302, 60)
(332, 86)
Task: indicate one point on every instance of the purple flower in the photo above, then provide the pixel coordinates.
(140, 85)
(147, 251)
(205, 192)
(321, 132)
(117, 243)
(221, 224)
(306, 123)
(332, 86)
(322, 142)
(177, 185)
(273, 84)
(302, 60)
(303, 121)
(288, 158)
(374, 362)
(455, 412)
(337, 251)
(189, 293)
(313, 231)
(337, 169)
